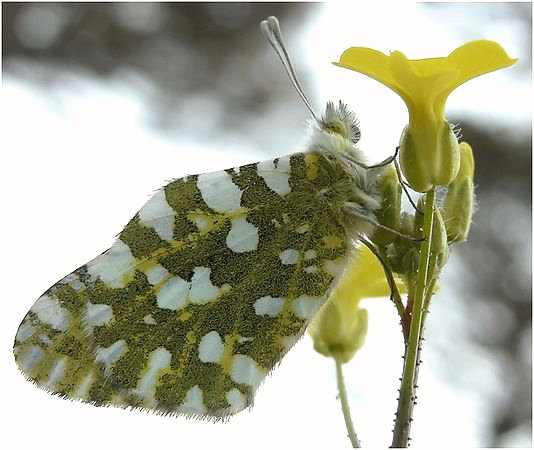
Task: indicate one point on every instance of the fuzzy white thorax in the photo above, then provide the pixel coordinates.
(332, 143)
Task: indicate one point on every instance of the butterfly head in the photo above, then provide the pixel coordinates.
(340, 121)
(336, 131)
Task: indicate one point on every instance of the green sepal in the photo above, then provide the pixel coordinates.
(429, 158)
(457, 208)
(389, 213)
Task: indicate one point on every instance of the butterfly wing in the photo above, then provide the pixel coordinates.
(203, 292)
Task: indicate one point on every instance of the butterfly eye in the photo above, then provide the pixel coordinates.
(355, 133)
(336, 126)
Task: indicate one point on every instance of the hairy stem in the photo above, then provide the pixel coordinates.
(433, 275)
(345, 406)
(395, 295)
(401, 431)
(433, 278)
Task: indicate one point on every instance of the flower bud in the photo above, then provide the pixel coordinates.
(389, 213)
(458, 206)
(340, 328)
(429, 154)
(401, 246)
(337, 335)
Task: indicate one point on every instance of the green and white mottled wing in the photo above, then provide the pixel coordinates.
(202, 294)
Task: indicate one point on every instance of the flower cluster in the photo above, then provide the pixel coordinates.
(430, 156)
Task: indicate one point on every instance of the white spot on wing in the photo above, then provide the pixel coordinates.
(289, 256)
(173, 294)
(276, 177)
(235, 399)
(210, 348)
(289, 341)
(159, 359)
(110, 355)
(83, 388)
(73, 280)
(56, 373)
(49, 311)
(194, 402)
(219, 191)
(310, 254)
(25, 331)
(69, 278)
(305, 307)
(77, 285)
(201, 223)
(32, 356)
(149, 320)
(334, 267)
(157, 214)
(45, 339)
(246, 371)
(113, 265)
(202, 290)
(156, 274)
(243, 236)
(269, 306)
(98, 315)
(310, 269)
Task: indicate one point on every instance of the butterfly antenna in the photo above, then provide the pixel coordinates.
(271, 30)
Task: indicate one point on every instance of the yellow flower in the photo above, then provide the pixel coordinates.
(429, 153)
(340, 328)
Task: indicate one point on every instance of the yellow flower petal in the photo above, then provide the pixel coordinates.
(340, 328)
(420, 80)
(370, 62)
(473, 59)
(428, 155)
(363, 279)
(404, 75)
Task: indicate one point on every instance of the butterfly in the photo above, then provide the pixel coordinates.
(211, 282)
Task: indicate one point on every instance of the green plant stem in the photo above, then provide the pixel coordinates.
(401, 431)
(433, 274)
(345, 406)
(395, 295)
(433, 277)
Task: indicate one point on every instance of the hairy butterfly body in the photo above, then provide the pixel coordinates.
(209, 285)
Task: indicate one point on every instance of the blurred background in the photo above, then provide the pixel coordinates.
(104, 102)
